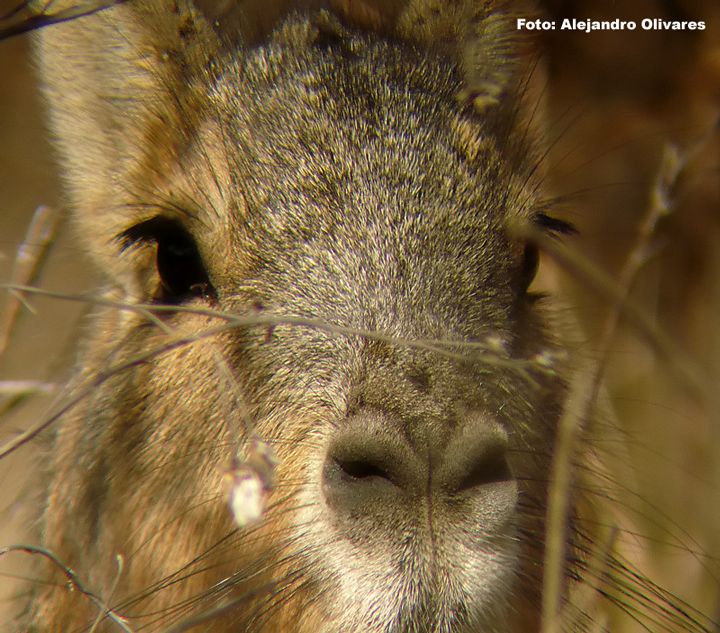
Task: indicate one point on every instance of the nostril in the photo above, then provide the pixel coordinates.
(357, 484)
(476, 458)
(488, 469)
(366, 466)
(356, 470)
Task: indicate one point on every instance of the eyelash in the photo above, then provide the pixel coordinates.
(554, 225)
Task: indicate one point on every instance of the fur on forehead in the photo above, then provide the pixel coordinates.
(480, 34)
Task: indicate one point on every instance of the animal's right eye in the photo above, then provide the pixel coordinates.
(179, 265)
(531, 255)
(531, 260)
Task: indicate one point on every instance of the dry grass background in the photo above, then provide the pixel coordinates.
(624, 97)
(41, 345)
(613, 102)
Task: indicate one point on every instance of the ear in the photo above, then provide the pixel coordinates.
(484, 37)
(121, 91)
(503, 79)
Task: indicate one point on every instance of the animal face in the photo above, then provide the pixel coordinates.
(351, 196)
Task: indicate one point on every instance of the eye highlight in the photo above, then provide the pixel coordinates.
(179, 265)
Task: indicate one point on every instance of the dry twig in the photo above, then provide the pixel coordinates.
(30, 256)
(74, 583)
(583, 395)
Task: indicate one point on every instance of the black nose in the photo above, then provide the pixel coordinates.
(374, 465)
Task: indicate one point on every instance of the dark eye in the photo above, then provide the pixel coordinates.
(179, 265)
(531, 260)
(531, 255)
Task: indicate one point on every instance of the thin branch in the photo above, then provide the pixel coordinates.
(686, 371)
(30, 257)
(95, 382)
(584, 391)
(73, 581)
(103, 614)
(23, 19)
(16, 388)
(490, 351)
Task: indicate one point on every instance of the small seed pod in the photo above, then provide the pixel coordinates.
(249, 481)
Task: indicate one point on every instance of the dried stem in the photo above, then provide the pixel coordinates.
(23, 17)
(30, 256)
(584, 391)
(103, 614)
(150, 311)
(73, 581)
(17, 388)
(688, 374)
(96, 381)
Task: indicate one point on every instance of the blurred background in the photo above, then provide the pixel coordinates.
(612, 103)
(41, 344)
